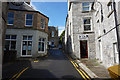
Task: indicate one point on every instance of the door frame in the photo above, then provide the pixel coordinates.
(80, 49)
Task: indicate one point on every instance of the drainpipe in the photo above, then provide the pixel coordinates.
(101, 11)
(117, 28)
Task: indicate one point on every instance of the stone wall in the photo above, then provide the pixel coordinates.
(55, 38)
(3, 14)
(19, 20)
(105, 35)
(77, 30)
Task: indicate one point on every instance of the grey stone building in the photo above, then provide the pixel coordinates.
(27, 31)
(105, 31)
(53, 39)
(79, 31)
(95, 27)
(3, 19)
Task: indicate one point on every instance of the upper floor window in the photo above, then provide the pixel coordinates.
(10, 42)
(86, 6)
(110, 8)
(29, 20)
(87, 24)
(42, 23)
(52, 33)
(10, 18)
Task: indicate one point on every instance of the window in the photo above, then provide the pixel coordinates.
(110, 8)
(10, 18)
(10, 42)
(29, 20)
(87, 24)
(42, 23)
(26, 45)
(41, 46)
(86, 6)
(52, 33)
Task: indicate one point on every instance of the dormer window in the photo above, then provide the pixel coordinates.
(29, 20)
(86, 6)
(10, 18)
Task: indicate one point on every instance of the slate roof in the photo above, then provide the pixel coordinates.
(24, 6)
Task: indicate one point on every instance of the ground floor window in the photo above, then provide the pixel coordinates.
(41, 46)
(26, 45)
(10, 42)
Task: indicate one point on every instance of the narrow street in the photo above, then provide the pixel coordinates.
(55, 66)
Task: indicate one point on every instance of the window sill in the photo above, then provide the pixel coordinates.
(41, 51)
(28, 25)
(10, 24)
(42, 28)
(88, 32)
(26, 55)
(110, 13)
(85, 11)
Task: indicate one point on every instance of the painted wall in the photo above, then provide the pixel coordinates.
(36, 35)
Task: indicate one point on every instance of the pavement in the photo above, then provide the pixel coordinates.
(54, 66)
(93, 68)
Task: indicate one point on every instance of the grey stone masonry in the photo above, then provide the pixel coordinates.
(102, 39)
(105, 33)
(75, 29)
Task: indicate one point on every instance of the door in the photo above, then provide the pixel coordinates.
(84, 49)
(116, 54)
(26, 45)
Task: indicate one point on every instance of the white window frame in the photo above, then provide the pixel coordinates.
(44, 45)
(42, 23)
(87, 24)
(11, 18)
(27, 45)
(53, 33)
(11, 41)
(85, 7)
(28, 19)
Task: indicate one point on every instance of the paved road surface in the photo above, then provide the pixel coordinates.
(55, 66)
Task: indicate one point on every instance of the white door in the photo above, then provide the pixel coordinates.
(116, 56)
(100, 51)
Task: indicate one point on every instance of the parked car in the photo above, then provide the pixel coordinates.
(52, 46)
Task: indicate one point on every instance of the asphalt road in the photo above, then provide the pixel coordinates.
(56, 66)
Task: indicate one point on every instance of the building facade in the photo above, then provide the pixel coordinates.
(3, 20)
(79, 34)
(96, 25)
(53, 39)
(105, 32)
(27, 31)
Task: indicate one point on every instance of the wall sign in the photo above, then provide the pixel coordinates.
(83, 36)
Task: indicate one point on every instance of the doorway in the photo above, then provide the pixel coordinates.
(84, 49)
